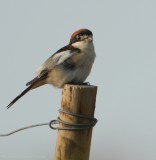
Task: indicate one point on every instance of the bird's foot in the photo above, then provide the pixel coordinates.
(85, 83)
(81, 83)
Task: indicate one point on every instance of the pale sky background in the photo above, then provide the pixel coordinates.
(124, 71)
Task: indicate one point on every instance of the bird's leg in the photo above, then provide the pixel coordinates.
(85, 83)
(81, 83)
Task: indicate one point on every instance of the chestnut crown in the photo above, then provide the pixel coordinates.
(80, 35)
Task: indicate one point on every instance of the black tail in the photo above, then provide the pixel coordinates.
(36, 82)
(19, 96)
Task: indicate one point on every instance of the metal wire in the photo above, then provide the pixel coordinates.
(73, 126)
(21, 129)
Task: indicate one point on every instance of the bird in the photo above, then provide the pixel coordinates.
(69, 65)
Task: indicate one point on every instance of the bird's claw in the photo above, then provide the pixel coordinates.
(85, 83)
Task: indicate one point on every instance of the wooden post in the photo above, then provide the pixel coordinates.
(75, 145)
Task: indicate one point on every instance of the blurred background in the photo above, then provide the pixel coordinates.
(124, 71)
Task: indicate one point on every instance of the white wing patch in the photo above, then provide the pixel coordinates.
(62, 56)
(56, 59)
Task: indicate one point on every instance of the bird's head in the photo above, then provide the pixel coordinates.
(81, 38)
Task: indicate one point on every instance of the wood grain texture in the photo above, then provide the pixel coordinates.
(75, 145)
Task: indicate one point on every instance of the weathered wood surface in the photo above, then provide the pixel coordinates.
(75, 145)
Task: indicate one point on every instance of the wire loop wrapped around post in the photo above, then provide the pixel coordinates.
(77, 126)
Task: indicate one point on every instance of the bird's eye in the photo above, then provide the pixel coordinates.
(78, 37)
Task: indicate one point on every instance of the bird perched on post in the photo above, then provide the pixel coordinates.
(69, 65)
